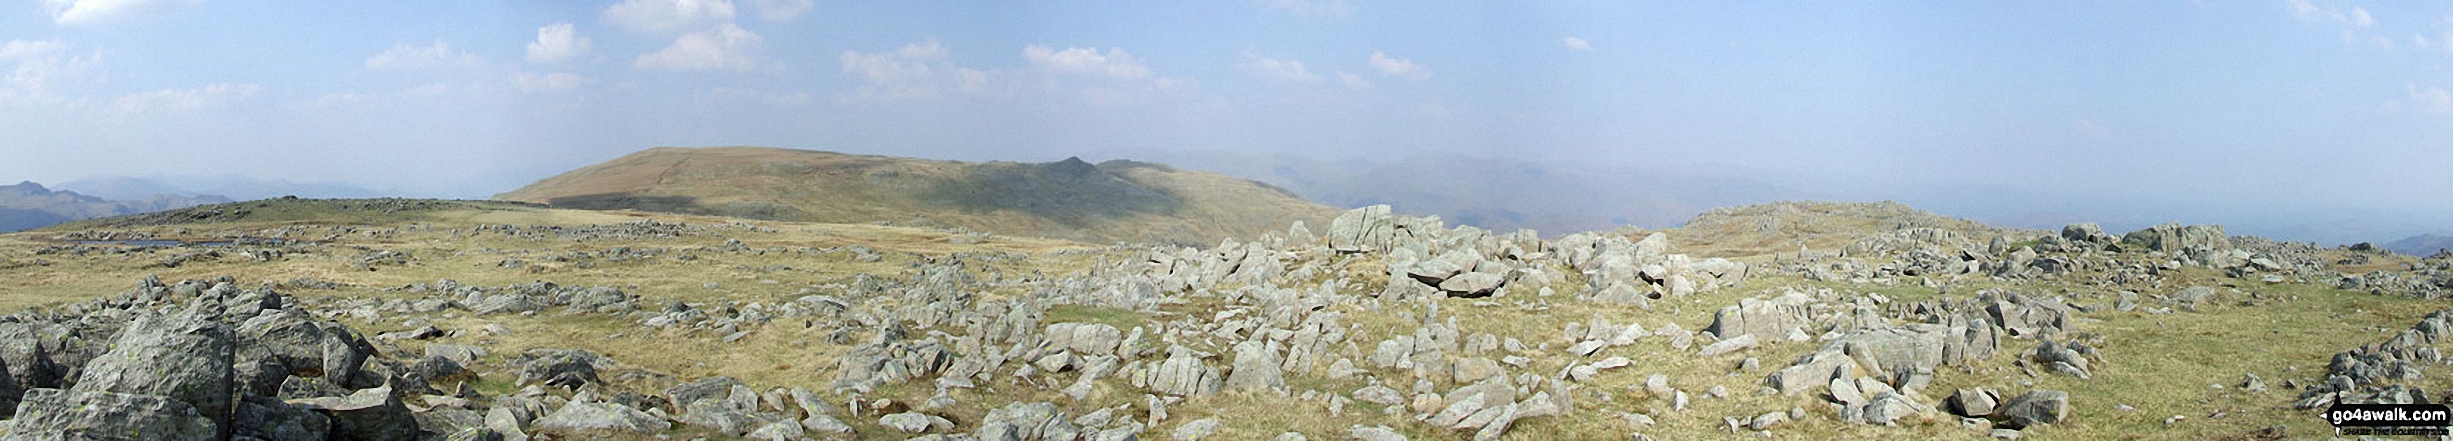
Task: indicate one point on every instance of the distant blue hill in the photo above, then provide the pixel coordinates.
(2421, 245)
(28, 205)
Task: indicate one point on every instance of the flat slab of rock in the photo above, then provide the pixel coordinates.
(1742, 342)
(584, 417)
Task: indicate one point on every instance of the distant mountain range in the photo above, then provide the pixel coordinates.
(1496, 193)
(1111, 201)
(238, 187)
(2421, 245)
(28, 205)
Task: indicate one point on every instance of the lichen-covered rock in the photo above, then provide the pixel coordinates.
(53, 414)
(185, 356)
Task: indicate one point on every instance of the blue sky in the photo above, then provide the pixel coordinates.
(2276, 114)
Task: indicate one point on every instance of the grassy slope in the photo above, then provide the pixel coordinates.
(1149, 204)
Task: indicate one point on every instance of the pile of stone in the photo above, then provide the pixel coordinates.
(2382, 373)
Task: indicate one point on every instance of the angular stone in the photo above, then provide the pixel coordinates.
(1972, 403)
(2035, 407)
(375, 414)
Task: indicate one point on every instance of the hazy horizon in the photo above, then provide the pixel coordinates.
(2294, 119)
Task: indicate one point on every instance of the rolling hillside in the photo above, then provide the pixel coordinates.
(1071, 199)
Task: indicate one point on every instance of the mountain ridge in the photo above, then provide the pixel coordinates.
(1067, 199)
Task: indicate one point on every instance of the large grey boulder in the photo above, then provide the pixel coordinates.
(717, 388)
(2035, 407)
(1473, 285)
(28, 363)
(726, 417)
(374, 414)
(185, 356)
(2172, 237)
(290, 339)
(1766, 320)
(53, 414)
(580, 418)
(1085, 338)
(569, 368)
(1256, 368)
(915, 422)
(1972, 403)
(2087, 233)
(1366, 229)
(1184, 374)
(271, 419)
(1026, 422)
(1438, 269)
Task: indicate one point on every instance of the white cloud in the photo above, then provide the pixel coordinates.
(425, 92)
(1288, 70)
(2433, 99)
(42, 67)
(550, 82)
(660, 16)
(187, 99)
(782, 10)
(917, 70)
(726, 47)
(1087, 61)
(556, 43)
(1353, 81)
(86, 12)
(1398, 67)
(1576, 44)
(440, 56)
(1312, 8)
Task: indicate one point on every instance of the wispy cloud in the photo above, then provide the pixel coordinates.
(438, 56)
(1279, 70)
(41, 68)
(2431, 99)
(725, 48)
(88, 12)
(1576, 44)
(186, 99)
(662, 16)
(2358, 27)
(1116, 63)
(1356, 82)
(920, 69)
(1398, 67)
